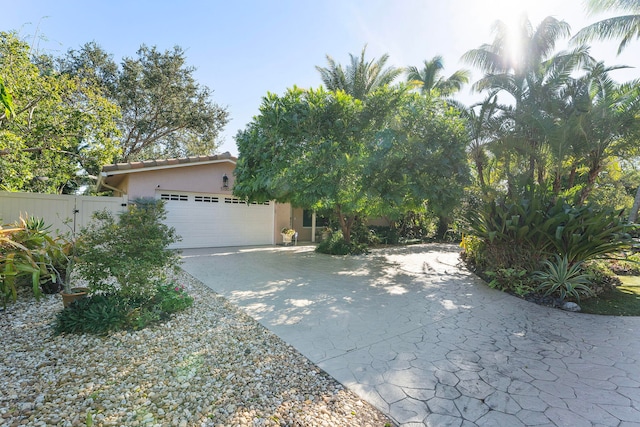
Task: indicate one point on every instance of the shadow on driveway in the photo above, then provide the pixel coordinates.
(425, 341)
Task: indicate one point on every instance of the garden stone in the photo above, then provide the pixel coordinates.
(571, 306)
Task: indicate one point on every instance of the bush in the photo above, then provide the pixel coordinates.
(27, 257)
(561, 278)
(103, 313)
(524, 235)
(128, 256)
(336, 245)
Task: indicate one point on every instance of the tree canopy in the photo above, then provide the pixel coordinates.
(62, 118)
(60, 126)
(322, 149)
(165, 111)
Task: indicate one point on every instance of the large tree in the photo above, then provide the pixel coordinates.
(61, 129)
(165, 111)
(327, 150)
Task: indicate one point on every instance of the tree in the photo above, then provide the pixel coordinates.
(6, 102)
(165, 112)
(626, 27)
(359, 78)
(428, 79)
(62, 128)
(330, 151)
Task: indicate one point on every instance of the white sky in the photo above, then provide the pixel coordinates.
(244, 48)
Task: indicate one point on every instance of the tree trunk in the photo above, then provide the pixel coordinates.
(633, 214)
(572, 178)
(591, 179)
(443, 227)
(345, 224)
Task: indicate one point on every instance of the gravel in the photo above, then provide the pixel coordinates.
(210, 365)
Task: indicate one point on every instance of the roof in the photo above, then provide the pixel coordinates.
(112, 175)
(166, 163)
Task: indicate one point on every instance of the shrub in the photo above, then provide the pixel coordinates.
(129, 255)
(102, 313)
(562, 278)
(523, 235)
(336, 245)
(173, 298)
(25, 249)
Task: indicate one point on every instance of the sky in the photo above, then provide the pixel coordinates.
(242, 49)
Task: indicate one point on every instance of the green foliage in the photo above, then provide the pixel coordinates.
(360, 77)
(17, 260)
(61, 125)
(102, 313)
(546, 228)
(562, 278)
(383, 155)
(132, 250)
(6, 102)
(173, 298)
(337, 245)
(511, 280)
(165, 111)
(523, 236)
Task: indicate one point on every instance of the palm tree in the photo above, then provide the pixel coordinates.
(531, 76)
(483, 123)
(360, 77)
(429, 80)
(625, 27)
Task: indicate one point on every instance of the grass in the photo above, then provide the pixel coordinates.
(622, 301)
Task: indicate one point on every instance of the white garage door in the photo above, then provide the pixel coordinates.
(214, 220)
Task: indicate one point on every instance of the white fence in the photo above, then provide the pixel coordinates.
(64, 212)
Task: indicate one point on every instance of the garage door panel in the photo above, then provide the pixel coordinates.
(215, 224)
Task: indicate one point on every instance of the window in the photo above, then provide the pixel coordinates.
(307, 216)
(176, 197)
(205, 199)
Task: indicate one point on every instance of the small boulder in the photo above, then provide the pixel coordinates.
(571, 306)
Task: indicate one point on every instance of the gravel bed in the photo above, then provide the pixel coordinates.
(210, 365)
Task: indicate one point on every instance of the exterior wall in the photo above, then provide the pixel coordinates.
(304, 233)
(197, 179)
(282, 219)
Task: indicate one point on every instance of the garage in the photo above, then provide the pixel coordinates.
(215, 220)
(198, 195)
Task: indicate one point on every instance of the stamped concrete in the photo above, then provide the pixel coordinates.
(423, 340)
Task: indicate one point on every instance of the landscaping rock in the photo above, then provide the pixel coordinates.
(571, 306)
(210, 365)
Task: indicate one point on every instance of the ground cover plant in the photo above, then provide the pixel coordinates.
(102, 313)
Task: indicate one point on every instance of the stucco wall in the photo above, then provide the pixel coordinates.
(304, 233)
(198, 179)
(283, 219)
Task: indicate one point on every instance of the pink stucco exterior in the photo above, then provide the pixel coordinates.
(205, 178)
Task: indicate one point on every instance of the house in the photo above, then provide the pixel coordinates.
(200, 203)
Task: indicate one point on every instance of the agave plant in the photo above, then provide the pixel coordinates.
(561, 277)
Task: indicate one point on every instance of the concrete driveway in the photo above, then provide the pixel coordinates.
(419, 337)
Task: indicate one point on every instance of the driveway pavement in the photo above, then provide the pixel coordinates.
(427, 343)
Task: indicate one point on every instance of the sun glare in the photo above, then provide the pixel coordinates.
(511, 13)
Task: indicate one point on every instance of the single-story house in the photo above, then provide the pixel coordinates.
(200, 203)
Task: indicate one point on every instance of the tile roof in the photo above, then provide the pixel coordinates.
(167, 162)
